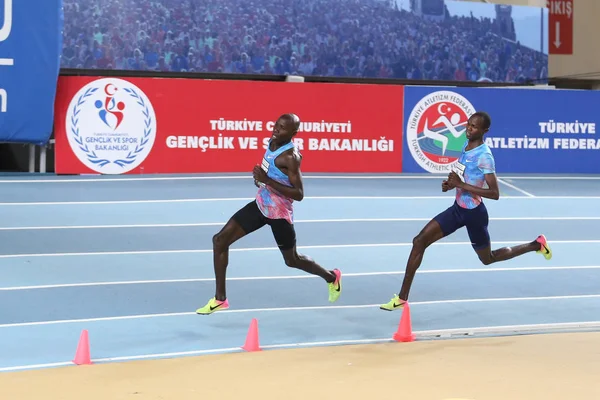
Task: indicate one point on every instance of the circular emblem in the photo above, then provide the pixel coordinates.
(111, 126)
(435, 131)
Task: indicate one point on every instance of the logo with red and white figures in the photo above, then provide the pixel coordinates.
(111, 125)
(436, 128)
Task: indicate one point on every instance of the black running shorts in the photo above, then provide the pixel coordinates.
(251, 219)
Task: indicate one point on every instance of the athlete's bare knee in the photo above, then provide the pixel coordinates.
(219, 241)
(222, 240)
(292, 258)
(428, 235)
(229, 234)
(486, 258)
(291, 261)
(420, 242)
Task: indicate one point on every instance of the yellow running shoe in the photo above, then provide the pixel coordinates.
(394, 304)
(212, 306)
(544, 247)
(335, 287)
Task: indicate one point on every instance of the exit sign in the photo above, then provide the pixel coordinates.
(560, 21)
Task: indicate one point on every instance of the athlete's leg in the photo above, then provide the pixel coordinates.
(229, 234)
(489, 256)
(443, 224)
(431, 233)
(244, 221)
(477, 227)
(303, 262)
(285, 236)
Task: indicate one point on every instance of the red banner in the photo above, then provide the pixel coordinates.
(560, 29)
(160, 125)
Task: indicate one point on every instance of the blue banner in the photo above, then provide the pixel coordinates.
(30, 49)
(532, 131)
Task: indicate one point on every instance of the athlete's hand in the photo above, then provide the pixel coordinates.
(454, 180)
(259, 174)
(445, 186)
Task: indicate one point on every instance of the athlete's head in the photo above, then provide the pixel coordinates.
(286, 128)
(478, 125)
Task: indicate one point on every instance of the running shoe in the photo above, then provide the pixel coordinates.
(544, 247)
(335, 287)
(394, 304)
(212, 306)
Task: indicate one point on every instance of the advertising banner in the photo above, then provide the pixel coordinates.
(160, 125)
(30, 49)
(532, 131)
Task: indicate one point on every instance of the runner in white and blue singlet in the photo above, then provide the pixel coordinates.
(474, 170)
(279, 182)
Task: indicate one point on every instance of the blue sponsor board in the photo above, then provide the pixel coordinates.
(30, 49)
(532, 131)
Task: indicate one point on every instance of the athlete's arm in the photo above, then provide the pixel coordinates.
(295, 192)
(291, 164)
(493, 192)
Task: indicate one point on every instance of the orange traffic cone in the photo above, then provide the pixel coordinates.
(82, 356)
(404, 332)
(252, 342)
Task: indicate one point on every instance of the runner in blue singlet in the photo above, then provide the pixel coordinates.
(474, 170)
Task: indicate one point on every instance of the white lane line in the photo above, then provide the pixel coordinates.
(239, 199)
(300, 221)
(510, 185)
(280, 309)
(283, 277)
(219, 199)
(325, 246)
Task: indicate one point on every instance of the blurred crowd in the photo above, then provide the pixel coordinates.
(353, 38)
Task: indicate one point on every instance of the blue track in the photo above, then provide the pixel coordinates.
(129, 259)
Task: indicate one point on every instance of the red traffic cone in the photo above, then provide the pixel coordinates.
(252, 342)
(82, 356)
(404, 332)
